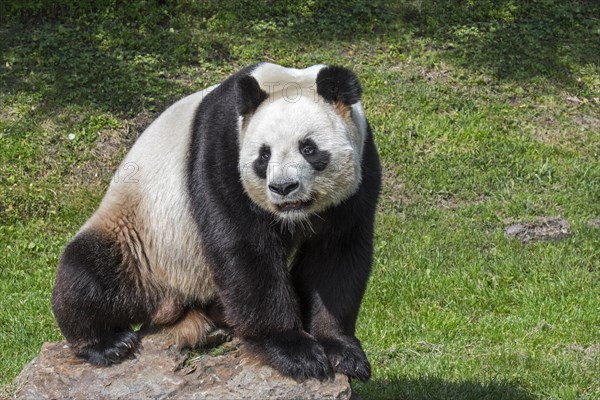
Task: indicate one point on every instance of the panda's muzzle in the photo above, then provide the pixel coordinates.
(285, 191)
(293, 205)
(284, 188)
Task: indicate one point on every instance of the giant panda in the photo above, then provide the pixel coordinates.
(249, 205)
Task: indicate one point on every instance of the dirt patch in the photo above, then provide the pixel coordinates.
(114, 140)
(393, 191)
(436, 74)
(447, 202)
(548, 128)
(8, 391)
(595, 223)
(590, 352)
(139, 123)
(543, 229)
(108, 145)
(587, 121)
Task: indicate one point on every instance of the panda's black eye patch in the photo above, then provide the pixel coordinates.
(307, 150)
(318, 159)
(262, 161)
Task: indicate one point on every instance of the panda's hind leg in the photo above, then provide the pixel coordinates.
(191, 330)
(96, 299)
(192, 326)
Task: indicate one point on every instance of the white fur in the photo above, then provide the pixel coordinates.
(278, 81)
(281, 123)
(149, 191)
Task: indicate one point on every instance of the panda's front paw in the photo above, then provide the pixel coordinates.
(347, 357)
(293, 353)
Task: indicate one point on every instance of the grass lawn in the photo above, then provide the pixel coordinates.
(484, 113)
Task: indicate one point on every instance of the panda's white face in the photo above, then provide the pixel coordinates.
(299, 158)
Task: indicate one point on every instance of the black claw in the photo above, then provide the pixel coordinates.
(294, 354)
(113, 350)
(347, 357)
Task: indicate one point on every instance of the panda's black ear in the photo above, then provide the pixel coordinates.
(249, 95)
(338, 85)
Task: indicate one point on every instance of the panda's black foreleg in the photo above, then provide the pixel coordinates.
(93, 301)
(260, 304)
(293, 353)
(331, 277)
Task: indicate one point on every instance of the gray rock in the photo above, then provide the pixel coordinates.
(159, 372)
(542, 229)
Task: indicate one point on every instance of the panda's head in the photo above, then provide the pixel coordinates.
(301, 138)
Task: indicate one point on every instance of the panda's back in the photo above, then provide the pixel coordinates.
(146, 207)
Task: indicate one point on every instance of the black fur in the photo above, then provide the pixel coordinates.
(338, 85)
(243, 250)
(113, 348)
(94, 305)
(347, 356)
(261, 163)
(278, 349)
(250, 95)
(332, 269)
(269, 308)
(318, 159)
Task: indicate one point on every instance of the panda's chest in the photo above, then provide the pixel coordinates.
(293, 249)
(291, 257)
(301, 236)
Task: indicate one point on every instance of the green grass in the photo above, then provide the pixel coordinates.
(484, 113)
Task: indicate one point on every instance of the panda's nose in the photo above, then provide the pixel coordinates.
(283, 189)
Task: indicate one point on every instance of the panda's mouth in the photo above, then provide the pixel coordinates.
(293, 205)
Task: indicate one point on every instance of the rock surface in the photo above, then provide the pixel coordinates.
(162, 373)
(542, 229)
